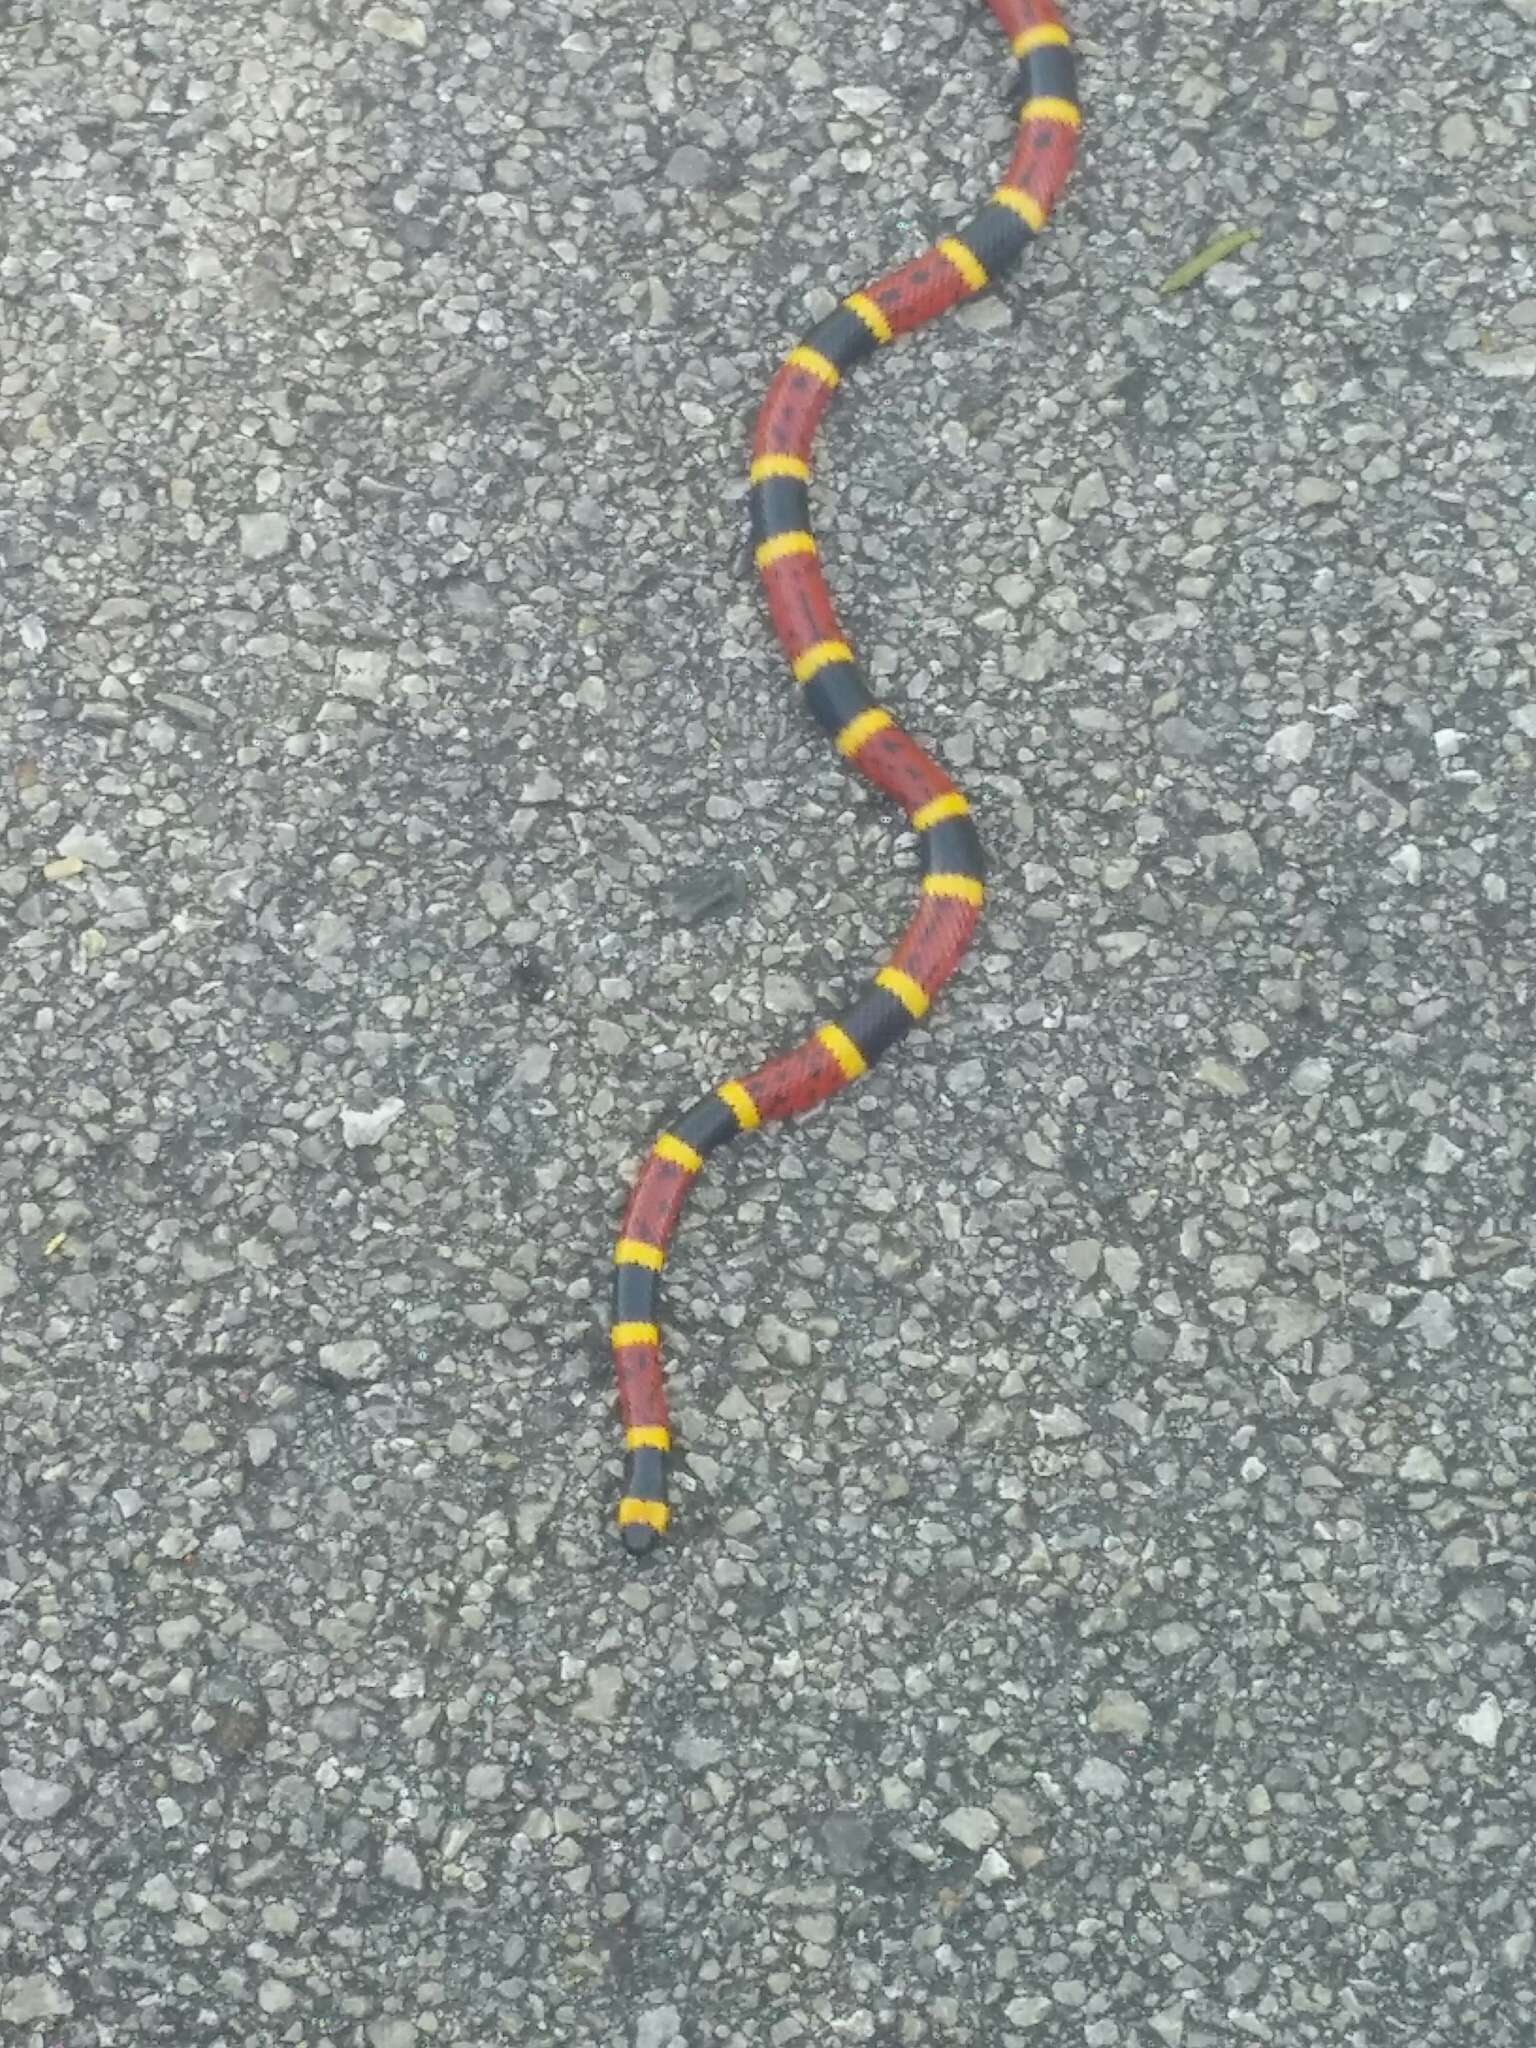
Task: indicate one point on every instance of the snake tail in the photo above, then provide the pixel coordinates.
(828, 679)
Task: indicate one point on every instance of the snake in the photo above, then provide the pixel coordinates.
(1043, 100)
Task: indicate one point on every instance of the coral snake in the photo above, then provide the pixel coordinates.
(957, 267)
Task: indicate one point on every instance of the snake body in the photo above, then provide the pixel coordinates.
(865, 735)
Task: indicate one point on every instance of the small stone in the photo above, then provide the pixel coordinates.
(1222, 1078)
(1312, 1077)
(159, 1894)
(1292, 742)
(484, 1781)
(1173, 1637)
(259, 1446)
(392, 2033)
(1408, 862)
(698, 1752)
(973, 1827)
(862, 99)
(34, 1998)
(1317, 490)
(1290, 1320)
(1482, 1725)
(1060, 1423)
(1236, 1272)
(175, 1635)
(1238, 851)
(362, 672)
(32, 1798)
(1098, 1774)
(1434, 1317)
(1029, 2011)
(339, 1723)
(1090, 495)
(262, 535)
(1339, 1390)
(1421, 1464)
(330, 936)
(202, 1266)
(1440, 1155)
(398, 28)
(121, 611)
(661, 2027)
(1514, 365)
(353, 1358)
(1180, 735)
(847, 1839)
(1120, 1713)
(785, 994)
(605, 1688)
(367, 1126)
(689, 167)
(92, 848)
(273, 1995)
(399, 1867)
(1458, 136)
(1080, 1257)
(1122, 1264)
(704, 893)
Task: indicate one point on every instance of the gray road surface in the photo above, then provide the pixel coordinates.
(1101, 1605)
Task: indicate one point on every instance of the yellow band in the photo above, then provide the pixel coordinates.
(860, 729)
(677, 1153)
(965, 887)
(653, 1513)
(1039, 38)
(767, 466)
(1029, 210)
(740, 1104)
(843, 1050)
(813, 361)
(647, 1439)
(634, 1251)
(866, 309)
(911, 995)
(816, 658)
(956, 253)
(782, 546)
(624, 1334)
(952, 806)
(1062, 111)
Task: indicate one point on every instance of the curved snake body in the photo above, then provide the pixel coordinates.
(866, 736)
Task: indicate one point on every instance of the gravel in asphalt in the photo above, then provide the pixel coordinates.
(1100, 1610)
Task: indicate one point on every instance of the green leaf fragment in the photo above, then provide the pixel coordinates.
(1207, 259)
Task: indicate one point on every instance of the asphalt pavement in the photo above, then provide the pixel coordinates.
(1099, 1609)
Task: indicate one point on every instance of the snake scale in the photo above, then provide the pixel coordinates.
(957, 267)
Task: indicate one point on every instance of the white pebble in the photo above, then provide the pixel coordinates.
(974, 1827)
(1292, 742)
(1482, 1725)
(32, 1798)
(367, 1126)
(262, 535)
